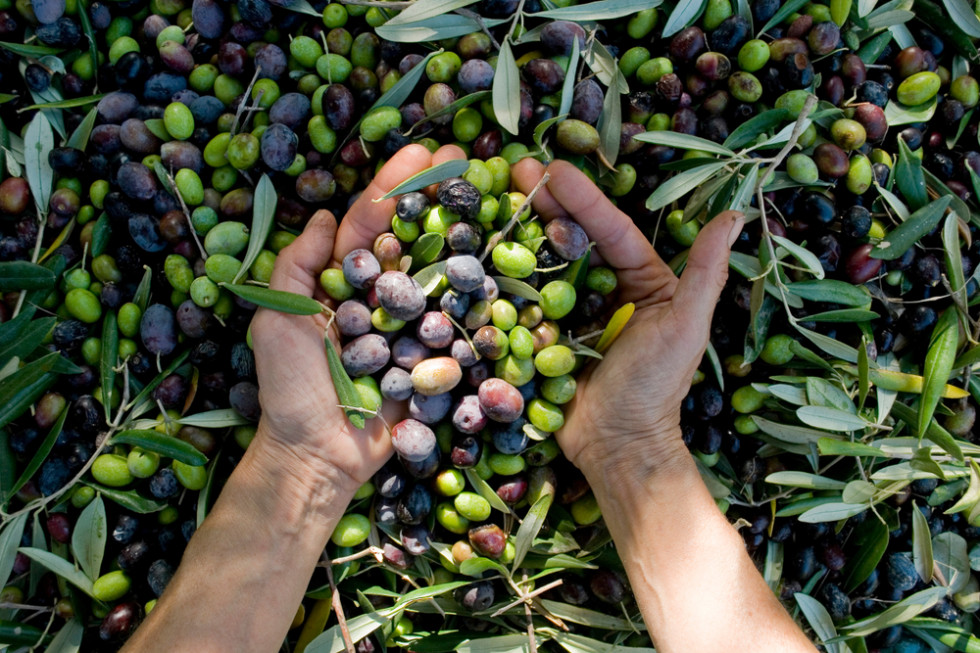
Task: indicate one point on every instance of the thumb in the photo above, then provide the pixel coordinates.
(299, 264)
(704, 276)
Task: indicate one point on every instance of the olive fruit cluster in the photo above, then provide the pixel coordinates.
(481, 356)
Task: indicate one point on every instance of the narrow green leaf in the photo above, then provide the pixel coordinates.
(921, 545)
(484, 490)
(165, 445)
(68, 639)
(750, 130)
(831, 512)
(831, 419)
(507, 90)
(426, 249)
(347, 393)
(963, 16)
(530, 527)
(430, 276)
(953, 257)
(864, 380)
(28, 50)
(684, 15)
(829, 346)
(604, 65)
(10, 536)
(518, 288)
(790, 433)
(950, 551)
(23, 275)
(277, 300)
(214, 419)
(571, 74)
(22, 343)
(110, 354)
(681, 184)
(60, 567)
(142, 295)
(600, 10)
(129, 499)
(938, 365)
(586, 617)
(785, 11)
(940, 436)
(807, 258)
(819, 619)
(610, 126)
(41, 454)
(332, 641)
(424, 9)
(870, 541)
(846, 315)
(158, 379)
(909, 178)
(25, 386)
(17, 633)
(79, 137)
(451, 109)
(746, 189)
(830, 291)
(899, 613)
(38, 142)
(67, 104)
(101, 233)
(805, 480)
(429, 176)
(476, 566)
(263, 213)
(89, 538)
(821, 392)
(899, 114)
(683, 142)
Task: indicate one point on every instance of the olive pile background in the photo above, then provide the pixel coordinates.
(156, 156)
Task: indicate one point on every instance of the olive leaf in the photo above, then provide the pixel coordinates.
(436, 28)
(683, 15)
(424, 9)
(302, 7)
(586, 617)
(899, 114)
(507, 90)
(89, 537)
(67, 104)
(214, 419)
(69, 638)
(109, 356)
(263, 213)
(683, 142)
(165, 445)
(142, 295)
(610, 126)
(204, 496)
(429, 176)
(79, 137)
(950, 551)
(603, 64)
(277, 300)
(909, 177)
(484, 490)
(23, 341)
(831, 512)
(29, 50)
(934, 431)
(530, 527)
(870, 540)
(921, 545)
(750, 130)
(784, 12)
(801, 254)
(871, 49)
(426, 249)
(10, 537)
(23, 275)
(431, 277)
(844, 315)
(518, 288)
(790, 433)
(60, 567)
(600, 10)
(681, 184)
(25, 386)
(938, 365)
(864, 378)
(129, 499)
(39, 141)
(963, 16)
(830, 291)
(347, 393)
(805, 480)
(397, 94)
(571, 73)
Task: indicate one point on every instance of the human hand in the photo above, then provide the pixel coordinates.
(300, 414)
(626, 411)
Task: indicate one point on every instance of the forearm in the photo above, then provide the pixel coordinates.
(244, 572)
(695, 584)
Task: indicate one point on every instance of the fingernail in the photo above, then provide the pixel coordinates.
(737, 224)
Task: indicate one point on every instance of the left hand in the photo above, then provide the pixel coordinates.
(300, 413)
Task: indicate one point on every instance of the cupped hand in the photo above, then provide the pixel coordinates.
(626, 411)
(300, 413)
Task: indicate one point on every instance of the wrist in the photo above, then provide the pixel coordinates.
(295, 470)
(614, 460)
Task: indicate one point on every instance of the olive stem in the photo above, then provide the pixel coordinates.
(246, 94)
(187, 215)
(518, 15)
(500, 235)
(338, 608)
(525, 597)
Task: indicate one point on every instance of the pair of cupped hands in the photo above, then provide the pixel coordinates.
(626, 413)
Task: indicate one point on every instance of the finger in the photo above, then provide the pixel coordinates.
(707, 269)
(448, 153)
(643, 275)
(366, 218)
(299, 264)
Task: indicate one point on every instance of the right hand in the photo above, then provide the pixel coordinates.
(626, 411)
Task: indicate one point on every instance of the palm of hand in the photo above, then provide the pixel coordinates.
(627, 406)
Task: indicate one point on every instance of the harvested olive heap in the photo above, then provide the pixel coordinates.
(155, 157)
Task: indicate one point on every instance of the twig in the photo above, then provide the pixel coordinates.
(798, 130)
(338, 608)
(500, 235)
(244, 102)
(525, 597)
(518, 14)
(479, 19)
(532, 639)
(187, 215)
